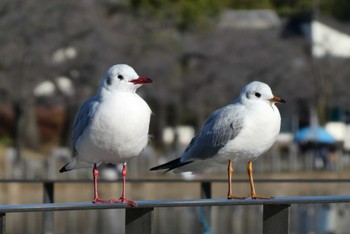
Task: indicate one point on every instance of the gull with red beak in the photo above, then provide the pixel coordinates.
(111, 127)
(237, 133)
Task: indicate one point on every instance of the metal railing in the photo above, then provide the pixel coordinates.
(276, 211)
(139, 219)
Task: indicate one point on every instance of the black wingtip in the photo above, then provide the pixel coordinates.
(64, 168)
(170, 165)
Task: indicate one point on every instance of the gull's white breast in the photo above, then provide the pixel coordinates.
(118, 130)
(260, 129)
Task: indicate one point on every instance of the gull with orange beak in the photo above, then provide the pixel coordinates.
(237, 133)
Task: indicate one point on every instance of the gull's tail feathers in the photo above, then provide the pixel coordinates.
(176, 163)
(75, 164)
(71, 165)
(196, 166)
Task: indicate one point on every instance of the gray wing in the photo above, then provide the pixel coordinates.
(82, 119)
(222, 126)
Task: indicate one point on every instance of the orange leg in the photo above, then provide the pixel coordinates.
(229, 180)
(251, 181)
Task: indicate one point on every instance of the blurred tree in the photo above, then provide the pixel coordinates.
(329, 76)
(196, 71)
(339, 9)
(22, 61)
(184, 14)
(34, 32)
(250, 4)
(291, 7)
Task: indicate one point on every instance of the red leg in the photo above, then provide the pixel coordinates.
(96, 197)
(123, 197)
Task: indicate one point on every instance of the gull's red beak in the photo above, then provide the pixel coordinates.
(141, 80)
(277, 100)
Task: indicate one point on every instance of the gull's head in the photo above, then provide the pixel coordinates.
(257, 91)
(122, 77)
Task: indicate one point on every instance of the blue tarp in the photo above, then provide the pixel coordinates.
(314, 134)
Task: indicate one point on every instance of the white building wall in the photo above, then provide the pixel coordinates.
(328, 41)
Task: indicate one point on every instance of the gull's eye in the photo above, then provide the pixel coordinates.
(257, 95)
(120, 77)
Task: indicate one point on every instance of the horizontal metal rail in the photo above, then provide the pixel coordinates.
(139, 219)
(276, 209)
(206, 193)
(172, 203)
(180, 180)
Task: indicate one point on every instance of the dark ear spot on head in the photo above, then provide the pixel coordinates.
(109, 80)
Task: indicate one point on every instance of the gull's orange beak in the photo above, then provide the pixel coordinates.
(277, 100)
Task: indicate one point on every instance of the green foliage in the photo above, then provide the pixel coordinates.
(340, 9)
(188, 14)
(251, 4)
(290, 7)
(5, 141)
(185, 14)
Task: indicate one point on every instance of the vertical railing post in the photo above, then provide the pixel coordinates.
(48, 218)
(48, 192)
(204, 213)
(2, 223)
(276, 219)
(138, 220)
(206, 190)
